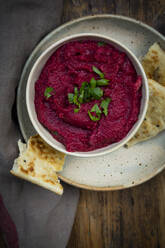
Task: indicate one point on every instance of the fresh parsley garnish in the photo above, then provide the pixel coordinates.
(76, 91)
(88, 92)
(83, 86)
(97, 71)
(93, 83)
(102, 82)
(92, 117)
(97, 93)
(70, 97)
(54, 132)
(97, 111)
(105, 104)
(101, 43)
(75, 97)
(76, 110)
(81, 96)
(47, 92)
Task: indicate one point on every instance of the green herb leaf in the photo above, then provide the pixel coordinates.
(76, 110)
(81, 97)
(83, 86)
(93, 83)
(70, 97)
(75, 97)
(96, 70)
(54, 132)
(96, 109)
(47, 92)
(105, 104)
(76, 91)
(101, 43)
(94, 118)
(87, 95)
(102, 82)
(97, 93)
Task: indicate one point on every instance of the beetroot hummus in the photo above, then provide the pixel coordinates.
(84, 117)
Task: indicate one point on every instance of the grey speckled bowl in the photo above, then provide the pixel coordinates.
(36, 70)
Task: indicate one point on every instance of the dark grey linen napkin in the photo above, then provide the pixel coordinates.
(42, 219)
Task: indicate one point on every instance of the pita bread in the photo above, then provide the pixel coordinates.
(38, 163)
(154, 64)
(154, 121)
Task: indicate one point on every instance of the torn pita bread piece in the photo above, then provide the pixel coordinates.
(154, 63)
(38, 163)
(154, 121)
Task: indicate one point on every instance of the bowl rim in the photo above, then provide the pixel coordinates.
(106, 149)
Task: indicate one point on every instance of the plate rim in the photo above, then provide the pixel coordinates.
(32, 54)
(110, 188)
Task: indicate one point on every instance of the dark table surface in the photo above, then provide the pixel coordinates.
(132, 218)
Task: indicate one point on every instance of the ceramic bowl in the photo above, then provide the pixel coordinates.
(36, 70)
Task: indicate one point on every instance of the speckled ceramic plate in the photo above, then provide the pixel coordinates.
(125, 167)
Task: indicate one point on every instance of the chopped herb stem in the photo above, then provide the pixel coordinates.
(102, 82)
(76, 91)
(97, 71)
(94, 118)
(76, 110)
(81, 97)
